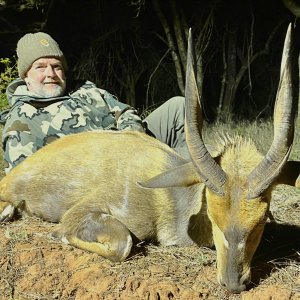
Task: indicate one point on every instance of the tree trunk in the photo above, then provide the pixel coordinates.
(179, 31)
(171, 45)
(230, 87)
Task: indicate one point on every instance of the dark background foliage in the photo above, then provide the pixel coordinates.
(136, 48)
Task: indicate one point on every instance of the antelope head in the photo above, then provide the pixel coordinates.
(240, 179)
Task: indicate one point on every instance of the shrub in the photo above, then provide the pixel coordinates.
(10, 72)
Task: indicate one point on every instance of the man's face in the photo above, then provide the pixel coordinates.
(46, 78)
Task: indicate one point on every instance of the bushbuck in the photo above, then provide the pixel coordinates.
(106, 188)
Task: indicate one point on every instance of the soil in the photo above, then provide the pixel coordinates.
(33, 265)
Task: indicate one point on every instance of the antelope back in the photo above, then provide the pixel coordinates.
(64, 174)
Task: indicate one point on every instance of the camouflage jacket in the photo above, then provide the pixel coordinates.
(33, 122)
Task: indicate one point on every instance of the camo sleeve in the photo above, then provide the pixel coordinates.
(17, 147)
(23, 134)
(18, 142)
(127, 117)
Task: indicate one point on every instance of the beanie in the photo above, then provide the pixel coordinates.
(33, 46)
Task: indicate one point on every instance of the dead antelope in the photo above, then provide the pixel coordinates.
(88, 183)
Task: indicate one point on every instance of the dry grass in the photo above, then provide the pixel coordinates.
(261, 132)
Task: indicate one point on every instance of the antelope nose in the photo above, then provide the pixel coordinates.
(236, 286)
(236, 289)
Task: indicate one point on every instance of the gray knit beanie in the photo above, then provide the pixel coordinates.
(33, 46)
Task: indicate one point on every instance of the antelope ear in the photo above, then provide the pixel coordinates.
(290, 174)
(184, 175)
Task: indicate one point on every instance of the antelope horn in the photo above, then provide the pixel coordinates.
(209, 171)
(285, 112)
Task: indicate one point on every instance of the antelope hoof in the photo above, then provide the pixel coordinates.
(7, 212)
(110, 250)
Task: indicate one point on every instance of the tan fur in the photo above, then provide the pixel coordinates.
(238, 223)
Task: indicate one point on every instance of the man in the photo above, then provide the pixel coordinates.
(46, 106)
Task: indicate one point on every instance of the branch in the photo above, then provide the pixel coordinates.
(150, 78)
(246, 63)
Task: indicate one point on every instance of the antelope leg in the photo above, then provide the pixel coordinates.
(96, 232)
